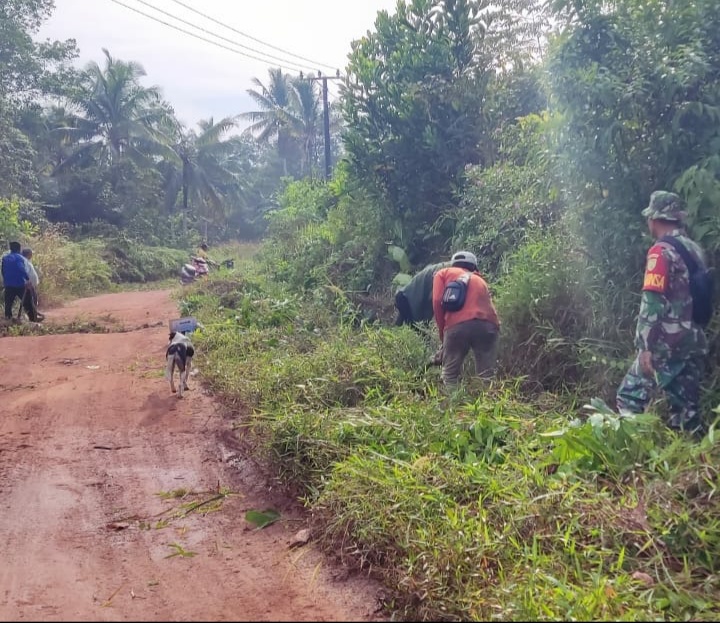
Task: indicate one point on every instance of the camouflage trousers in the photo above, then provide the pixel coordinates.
(678, 380)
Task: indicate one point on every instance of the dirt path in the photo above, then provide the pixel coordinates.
(89, 437)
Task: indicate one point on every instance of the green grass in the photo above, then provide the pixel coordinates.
(71, 269)
(487, 504)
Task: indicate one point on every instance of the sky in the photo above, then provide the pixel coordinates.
(198, 78)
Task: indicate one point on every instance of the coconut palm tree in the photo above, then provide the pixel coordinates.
(291, 116)
(306, 121)
(196, 165)
(115, 116)
(273, 122)
(42, 124)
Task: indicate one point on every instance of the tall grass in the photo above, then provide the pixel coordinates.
(133, 262)
(486, 504)
(70, 269)
(561, 327)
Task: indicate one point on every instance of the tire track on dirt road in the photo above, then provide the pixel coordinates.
(89, 436)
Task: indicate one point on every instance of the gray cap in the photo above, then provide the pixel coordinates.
(464, 257)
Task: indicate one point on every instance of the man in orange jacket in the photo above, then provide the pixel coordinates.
(475, 326)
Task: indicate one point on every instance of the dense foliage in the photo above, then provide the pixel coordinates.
(483, 505)
(531, 133)
(99, 146)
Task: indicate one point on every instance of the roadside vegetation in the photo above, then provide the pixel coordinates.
(530, 133)
(70, 268)
(491, 504)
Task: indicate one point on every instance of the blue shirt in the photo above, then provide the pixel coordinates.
(14, 271)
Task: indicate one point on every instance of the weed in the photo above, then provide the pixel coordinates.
(490, 504)
(180, 551)
(174, 494)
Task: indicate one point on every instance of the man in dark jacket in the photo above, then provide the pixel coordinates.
(414, 300)
(16, 279)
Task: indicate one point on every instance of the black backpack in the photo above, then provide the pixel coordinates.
(701, 283)
(455, 293)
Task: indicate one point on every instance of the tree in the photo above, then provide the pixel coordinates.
(46, 128)
(424, 99)
(251, 191)
(28, 68)
(413, 102)
(17, 171)
(638, 87)
(197, 165)
(305, 121)
(118, 117)
(290, 116)
(273, 121)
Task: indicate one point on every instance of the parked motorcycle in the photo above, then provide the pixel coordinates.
(195, 269)
(199, 267)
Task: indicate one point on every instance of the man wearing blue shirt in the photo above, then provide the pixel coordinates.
(15, 279)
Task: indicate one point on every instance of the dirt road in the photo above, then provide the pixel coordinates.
(95, 454)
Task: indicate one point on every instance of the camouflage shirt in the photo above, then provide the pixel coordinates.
(665, 325)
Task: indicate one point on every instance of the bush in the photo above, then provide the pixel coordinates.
(558, 327)
(501, 208)
(322, 235)
(12, 224)
(69, 269)
(133, 262)
(516, 200)
(495, 507)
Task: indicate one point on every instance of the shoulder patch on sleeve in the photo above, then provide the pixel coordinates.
(656, 270)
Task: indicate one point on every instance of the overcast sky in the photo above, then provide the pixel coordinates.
(198, 78)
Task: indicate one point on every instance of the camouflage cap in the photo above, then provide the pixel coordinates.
(666, 206)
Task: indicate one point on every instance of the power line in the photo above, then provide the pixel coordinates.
(209, 32)
(239, 32)
(192, 34)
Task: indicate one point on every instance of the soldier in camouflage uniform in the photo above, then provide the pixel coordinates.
(671, 347)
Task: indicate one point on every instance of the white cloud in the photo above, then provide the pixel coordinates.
(199, 79)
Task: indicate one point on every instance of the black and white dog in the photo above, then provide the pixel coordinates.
(179, 355)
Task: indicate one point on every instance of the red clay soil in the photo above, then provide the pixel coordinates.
(90, 436)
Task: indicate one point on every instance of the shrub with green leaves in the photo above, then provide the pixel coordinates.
(69, 269)
(484, 504)
(73, 268)
(557, 328)
(12, 225)
(133, 262)
(514, 201)
(326, 235)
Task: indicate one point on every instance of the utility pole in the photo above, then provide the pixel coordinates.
(326, 115)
